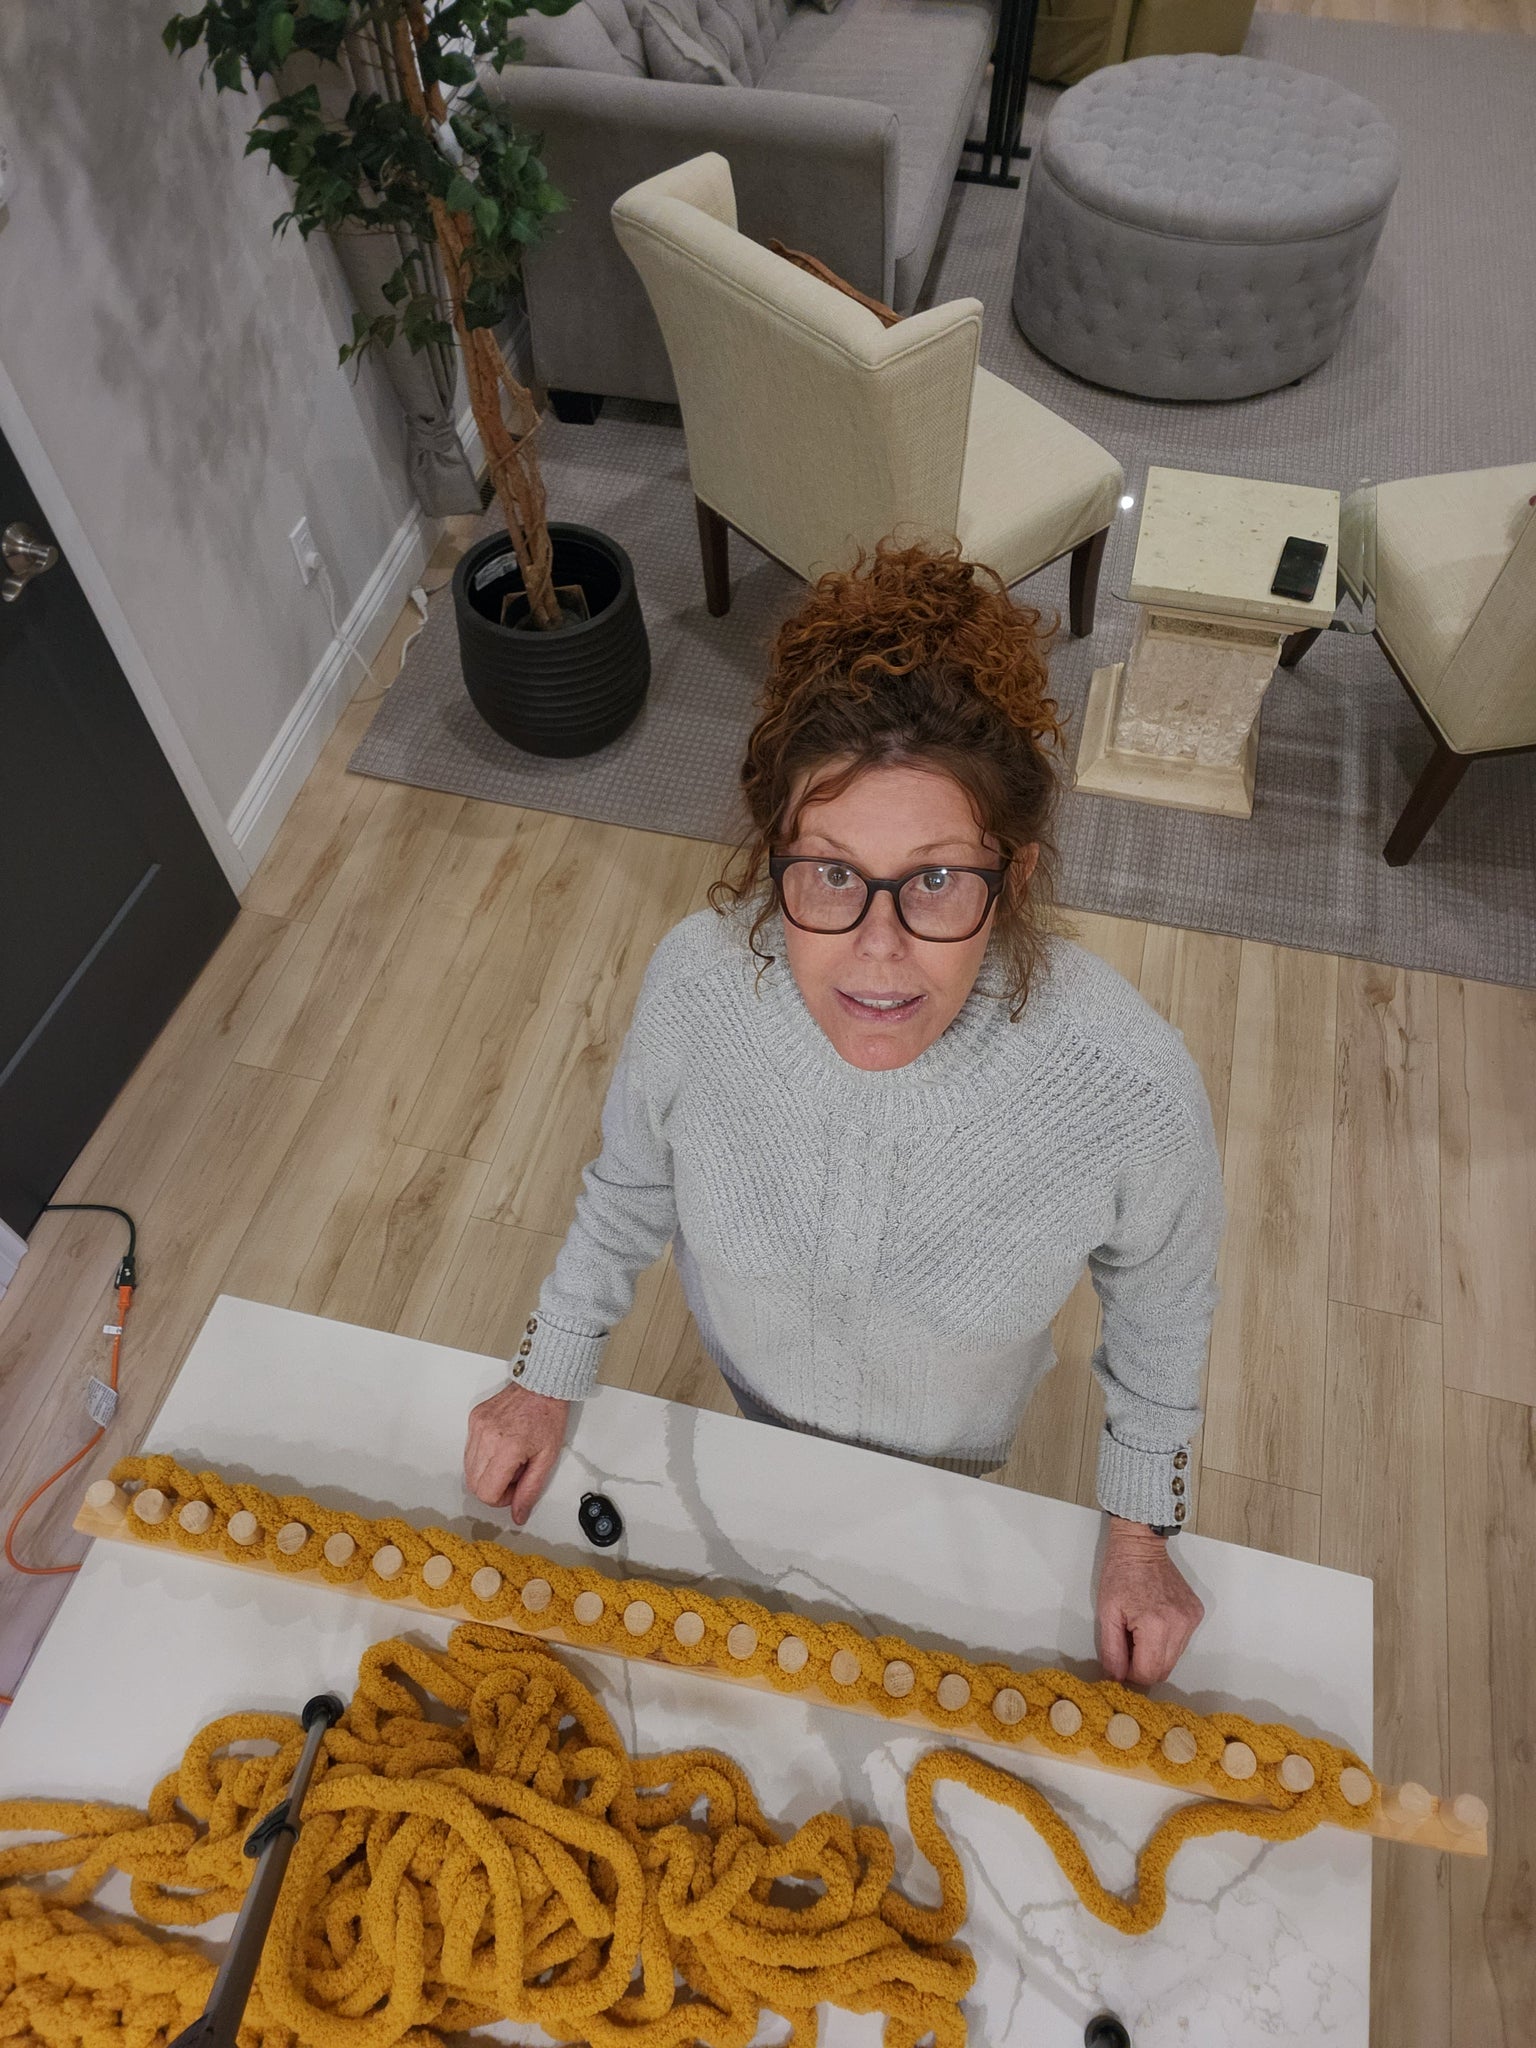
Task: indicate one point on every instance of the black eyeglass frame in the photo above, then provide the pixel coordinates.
(893, 886)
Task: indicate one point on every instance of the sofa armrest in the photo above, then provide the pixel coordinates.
(817, 172)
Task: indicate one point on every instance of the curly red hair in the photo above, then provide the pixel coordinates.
(913, 656)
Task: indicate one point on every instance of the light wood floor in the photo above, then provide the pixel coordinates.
(376, 1102)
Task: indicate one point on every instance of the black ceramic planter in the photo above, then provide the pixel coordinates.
(565, 692)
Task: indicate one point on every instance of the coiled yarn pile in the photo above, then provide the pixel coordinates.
(478, 1845)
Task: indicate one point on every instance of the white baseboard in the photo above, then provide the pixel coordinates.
(12, 1252)
(265, 800)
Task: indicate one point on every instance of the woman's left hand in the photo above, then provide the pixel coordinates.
(1147, 1610)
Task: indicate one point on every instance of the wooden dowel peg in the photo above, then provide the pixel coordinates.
(639, 1617)
(1355, 1785)
(844, 1668)
(195, 1516)
(151, 1505)
(1123, 1731)
(1466, 1814)
(587, 1608)
(1009, 1705)
(243, 1528)
(486, 1583)
(741, 1641)
(536, 1595)
(1238, 1760)
(1066, 1717)
(388, 1560)
(102, 1495)
(1409, 1803)
(437, 1571)
(953, 1692)
(291, 1537)
(339, 1547)
(1180, 1746)
(792, 1655)
(898, 1678)
(1296, 1773)
(689, 1628)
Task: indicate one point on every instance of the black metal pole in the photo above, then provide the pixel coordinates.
(271, 1843)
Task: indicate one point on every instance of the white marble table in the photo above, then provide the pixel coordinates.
(1177, 722)
(1259, 1945)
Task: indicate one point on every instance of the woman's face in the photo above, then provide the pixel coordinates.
(880, 995)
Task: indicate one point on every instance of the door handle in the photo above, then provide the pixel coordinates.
(25, 557)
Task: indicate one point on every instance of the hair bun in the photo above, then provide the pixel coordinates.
(904, 608)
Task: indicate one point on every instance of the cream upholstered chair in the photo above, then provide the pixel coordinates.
(815, 430)
(1452, 570)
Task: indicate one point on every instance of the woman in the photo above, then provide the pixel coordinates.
(885, 1117)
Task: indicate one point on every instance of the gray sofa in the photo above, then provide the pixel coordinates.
(843, 140)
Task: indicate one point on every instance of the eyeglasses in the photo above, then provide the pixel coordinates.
(943, 904)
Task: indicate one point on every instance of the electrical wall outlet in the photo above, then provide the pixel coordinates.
(305, 553)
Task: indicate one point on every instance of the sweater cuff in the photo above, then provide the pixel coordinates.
(1143, 1486)
(560, 1363)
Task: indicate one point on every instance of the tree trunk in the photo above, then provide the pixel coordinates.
(509, 446)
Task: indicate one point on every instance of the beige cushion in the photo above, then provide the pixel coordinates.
(1455, 590)
(1033, 486)
(817, 431)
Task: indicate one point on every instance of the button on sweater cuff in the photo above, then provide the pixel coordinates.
(1143, 1486)
(560, 1363)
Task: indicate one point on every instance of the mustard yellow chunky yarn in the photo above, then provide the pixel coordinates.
(992, 1691)
(511, 1861)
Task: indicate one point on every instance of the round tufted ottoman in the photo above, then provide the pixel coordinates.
(1200, 227)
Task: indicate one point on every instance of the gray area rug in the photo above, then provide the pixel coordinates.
(1434, 373)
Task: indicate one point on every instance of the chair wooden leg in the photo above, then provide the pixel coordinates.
(715, 548)
(1084, 590)
(1430, 792)
(1296, 645)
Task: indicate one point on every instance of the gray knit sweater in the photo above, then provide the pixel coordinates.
(878, 1256)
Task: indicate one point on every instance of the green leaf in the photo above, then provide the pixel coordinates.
(226, 71)
(329, 10)
(487, 217)
(397, 287)
(283, 26)
(461, 195)
(454, 68)
(170, 35)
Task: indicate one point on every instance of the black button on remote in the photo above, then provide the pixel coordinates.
(600, 1520)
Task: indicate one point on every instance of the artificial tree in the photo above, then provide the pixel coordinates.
(450, 174)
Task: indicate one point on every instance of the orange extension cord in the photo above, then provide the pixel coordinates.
(126, 1280)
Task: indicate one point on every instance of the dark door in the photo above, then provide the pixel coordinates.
(110, 897)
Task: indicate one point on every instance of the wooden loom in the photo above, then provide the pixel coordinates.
(1405, 1813)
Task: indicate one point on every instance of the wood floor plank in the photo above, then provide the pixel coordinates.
(322, 824)
(473, 1082)
(1119, 940)
(305, 1019)
(1385, 1204)
(186, 1236)
(1490, 1569)
(1191, 979)
(674, 1364)
(490, 1288)
(627, 1351)
(1264, 1408)
(554, 1127)
(1047, 1453)
(1488, 1188)
(403, 1246)
(1246, 1511)
(1384, 1515)
(298, 1238)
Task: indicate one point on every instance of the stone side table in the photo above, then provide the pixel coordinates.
(1178, 721)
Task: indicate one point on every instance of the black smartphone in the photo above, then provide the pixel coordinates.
(1301, 565)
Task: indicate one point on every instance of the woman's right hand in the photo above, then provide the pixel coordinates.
(514, 1441)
